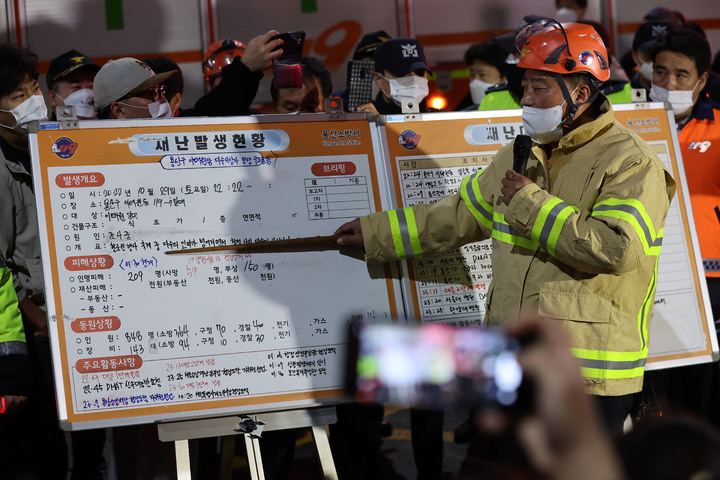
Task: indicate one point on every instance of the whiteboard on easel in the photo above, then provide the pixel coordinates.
(427, 156)
(140, 336)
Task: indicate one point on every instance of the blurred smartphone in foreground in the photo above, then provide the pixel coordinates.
(359, 83)
(435, 366)
(287, 71)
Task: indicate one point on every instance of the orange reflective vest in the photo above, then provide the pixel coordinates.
(700, 144)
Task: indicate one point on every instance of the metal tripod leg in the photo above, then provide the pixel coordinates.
(182, 460)
(252, 445)
(324, 453)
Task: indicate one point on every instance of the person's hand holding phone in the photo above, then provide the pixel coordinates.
(261, 51)
(563, 435)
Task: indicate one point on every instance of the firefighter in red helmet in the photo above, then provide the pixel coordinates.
(576, 218)
(566, 57)
(218, 55)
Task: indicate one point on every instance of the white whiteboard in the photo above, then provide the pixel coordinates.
(426, 158)
(140, 336)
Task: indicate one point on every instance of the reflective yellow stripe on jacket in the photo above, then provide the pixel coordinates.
(633, 212)
(549, 223)
(486, 215)
(404, 233)
(615, 365)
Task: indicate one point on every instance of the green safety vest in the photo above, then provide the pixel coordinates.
(12, 333)
(623, 96)
(498, 100)
(503, 100)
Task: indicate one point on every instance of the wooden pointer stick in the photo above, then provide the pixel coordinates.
(305, 244)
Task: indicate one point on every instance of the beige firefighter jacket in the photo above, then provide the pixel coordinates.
(579, 245)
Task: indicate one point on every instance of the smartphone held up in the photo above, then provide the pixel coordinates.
(435, 366)
(287, 71)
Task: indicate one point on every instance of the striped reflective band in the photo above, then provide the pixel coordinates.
(506, 233)
(13, 348)
(646, 308)
(711, 265)
(406, 238)
(633, 212)
(470, 193)
(611, 365)
(549, 223)
(486, 215)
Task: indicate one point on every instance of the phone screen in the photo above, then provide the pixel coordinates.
(435, 366)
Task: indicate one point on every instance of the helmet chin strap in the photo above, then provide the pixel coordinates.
(572, 106)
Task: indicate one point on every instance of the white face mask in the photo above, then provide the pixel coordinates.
(159, 109)
(83, 102)
(681, 100)
(477, 90)
(646, 70)
(32, 109)
(565, 14)
(544, 125)
(410, 88)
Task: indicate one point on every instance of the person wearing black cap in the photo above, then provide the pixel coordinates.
(645, 37)
(70, 80)
(401, 75)
(365, 50)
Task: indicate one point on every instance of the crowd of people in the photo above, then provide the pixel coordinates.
(576, 235)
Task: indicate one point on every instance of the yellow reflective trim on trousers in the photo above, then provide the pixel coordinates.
(396, 235)
(612, 374)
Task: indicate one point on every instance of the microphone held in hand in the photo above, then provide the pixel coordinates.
(521, 153)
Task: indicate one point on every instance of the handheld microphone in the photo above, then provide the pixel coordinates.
(521, 153)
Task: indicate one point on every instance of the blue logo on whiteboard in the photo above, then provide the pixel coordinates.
(409, 139)
(64, 147)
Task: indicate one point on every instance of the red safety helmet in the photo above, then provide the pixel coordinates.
(219, 54)
(563, 49)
